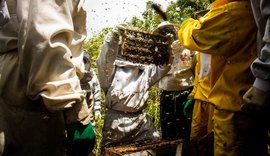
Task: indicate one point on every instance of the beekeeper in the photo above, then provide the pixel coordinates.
(175, 87)
(126, 86)
(91, 85)
(257, 97)
(40, 70)
(228, 33)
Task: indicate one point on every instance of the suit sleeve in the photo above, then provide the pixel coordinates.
(261, 66)
(51, 34)
(106, 59)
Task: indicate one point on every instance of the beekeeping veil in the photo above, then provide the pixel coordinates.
(166, 28)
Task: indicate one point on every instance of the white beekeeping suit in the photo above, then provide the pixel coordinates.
(91, 85)
(4, 13)
(40, 70)
(126, 86)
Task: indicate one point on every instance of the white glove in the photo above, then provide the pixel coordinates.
(121, 27)
(176, 46)
(118, 29)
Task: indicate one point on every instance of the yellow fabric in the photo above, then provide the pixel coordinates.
(195, 82)
(228, 33)
(202, 119)
(238, 134)
(218, 3)
(202, 86)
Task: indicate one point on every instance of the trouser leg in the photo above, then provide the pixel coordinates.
(238, 134)
(174, 125)
(201, 142)
(202, 122)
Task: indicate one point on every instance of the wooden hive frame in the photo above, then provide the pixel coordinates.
(142, 47)
(160, 147)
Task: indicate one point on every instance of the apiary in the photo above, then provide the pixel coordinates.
(158, 148)
(142, 47)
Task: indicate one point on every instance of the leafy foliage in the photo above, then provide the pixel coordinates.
(185, 9)
(92, 46)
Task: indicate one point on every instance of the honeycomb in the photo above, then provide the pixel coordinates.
(142, 47)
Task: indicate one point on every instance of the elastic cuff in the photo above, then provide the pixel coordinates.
(262, 84)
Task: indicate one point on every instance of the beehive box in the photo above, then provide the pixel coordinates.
(159, 148)
(142, 47)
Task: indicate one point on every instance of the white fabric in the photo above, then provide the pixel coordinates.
(181, 76)
(48, 38)
(4, 14)
(126, 128)
(93, 97)
(260, 67)
(40, 67)
(126, 84)
(205, 69)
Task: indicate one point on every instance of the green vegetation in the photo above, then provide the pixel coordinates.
(149, 21)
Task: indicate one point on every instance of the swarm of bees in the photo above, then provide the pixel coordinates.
(142, 47)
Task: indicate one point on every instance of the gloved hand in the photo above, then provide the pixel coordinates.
(121, 27)
(256, 101)
(80, 139)
(118, 29)
(97, 115)
(176, 46)
(188, 108)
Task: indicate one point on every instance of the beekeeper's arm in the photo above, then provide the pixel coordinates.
(51, 34)
(216, 32)
(50, 41)
(257, 97)
(106, 59)
(158, 72)
(97, 97)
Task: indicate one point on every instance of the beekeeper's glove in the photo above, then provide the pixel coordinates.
(256, 101)
(80, 139)
(118, 29)
(188, 108)
(176, 47)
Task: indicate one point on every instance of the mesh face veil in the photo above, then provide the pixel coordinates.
(166, 28)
